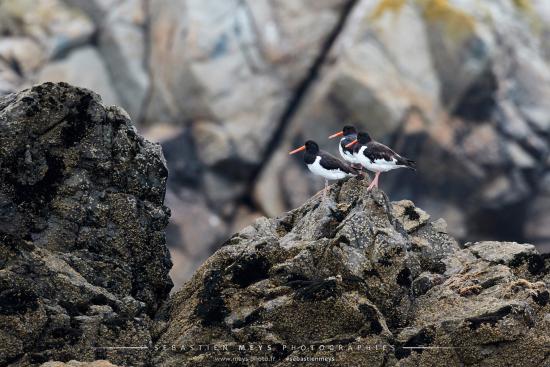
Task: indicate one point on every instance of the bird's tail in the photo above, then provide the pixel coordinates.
(352, 170)
(409, 163)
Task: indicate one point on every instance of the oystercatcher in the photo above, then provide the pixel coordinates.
(377, 157)
(349, 134)
(324, 164)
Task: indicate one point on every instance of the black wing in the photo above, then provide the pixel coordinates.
(328, 161)
(376, 150)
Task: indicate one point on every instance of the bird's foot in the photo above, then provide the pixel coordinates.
(372, 185)
(374, 182)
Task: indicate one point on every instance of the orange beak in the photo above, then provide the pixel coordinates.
(352, 143)
(303, 147)
(339, 133)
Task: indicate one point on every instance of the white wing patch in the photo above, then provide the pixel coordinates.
(317, 169)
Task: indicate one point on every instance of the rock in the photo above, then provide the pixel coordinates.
(213, 143)
(537, 223)
(193, 233)
(501, 252)
(426, 281)
(123, 46)
(56, 27)
(35, 33)
(83, 258)
(23, 53)
(84, 264)
(356, 270)
(9, 79)
(411, 217)
(238, 73)
(96, 9)
(70, 70)
(461, 106)
(463, 88)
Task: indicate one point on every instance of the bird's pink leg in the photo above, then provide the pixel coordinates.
(374, 182)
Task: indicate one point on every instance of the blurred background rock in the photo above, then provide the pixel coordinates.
(229, 86)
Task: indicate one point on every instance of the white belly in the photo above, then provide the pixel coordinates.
(346, 155)
(377, 165)
(317, 169)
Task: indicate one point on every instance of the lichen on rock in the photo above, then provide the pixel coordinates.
(377, 279)
(83, 261)
(352, 278)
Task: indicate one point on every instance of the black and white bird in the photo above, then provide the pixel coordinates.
(324, 164)
(377, 157)
(349, 134)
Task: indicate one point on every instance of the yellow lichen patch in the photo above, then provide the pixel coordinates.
(457, 22)
(523, 284)
(535, 21)
(387, 5)
(523, 4)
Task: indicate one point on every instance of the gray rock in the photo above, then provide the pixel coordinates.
(537, 224)
(356, 270)
(23, 52)
(501, 252)
(451, 89)
(83, 258)
(84, 68)
(123, 46)
(243, 70)
(84, 264)
(193, 233)
(115, 29)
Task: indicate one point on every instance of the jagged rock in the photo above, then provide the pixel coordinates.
(356, 271)
(501, 252)
(83, 261)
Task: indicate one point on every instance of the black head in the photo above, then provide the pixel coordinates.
(349, 130)
(363, 138)
(311, 147)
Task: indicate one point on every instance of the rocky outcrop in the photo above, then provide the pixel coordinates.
(227, 89)
(358, 280)
(460, 86)
(352, 279)
(83, 259)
